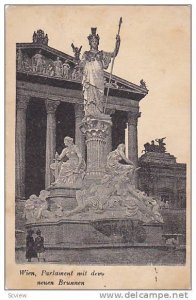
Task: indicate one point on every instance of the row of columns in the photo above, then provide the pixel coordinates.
(132, 136)
(51, 106)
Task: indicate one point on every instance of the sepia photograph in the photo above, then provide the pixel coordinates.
(98, 141)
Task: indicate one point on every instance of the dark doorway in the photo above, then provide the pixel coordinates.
(35, 147)
(119, 120)
(65, 124)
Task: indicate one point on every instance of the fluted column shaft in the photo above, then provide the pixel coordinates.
(133, 140)
(79, 136)
(96, 132)
(21, 107)
(51, 107)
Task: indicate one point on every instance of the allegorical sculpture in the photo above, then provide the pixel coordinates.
(161, 144)
(38, 62)
(69, 166)
(152, 147)
(114, 165)
(37, 208)
(58, 67)
(143, 83)
(66, 68)
(93, 63)
(76, 51)
(117, 189)
(40, 38)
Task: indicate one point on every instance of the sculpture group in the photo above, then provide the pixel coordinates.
(116, 188)
(36, 208)
(152, 147)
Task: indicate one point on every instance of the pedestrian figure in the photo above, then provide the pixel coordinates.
(30, 246)
(39, 246)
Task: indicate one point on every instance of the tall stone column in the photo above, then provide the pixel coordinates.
(51, 107)
(133, 140)
(21, 107)
(96, 131)
(132, 136)
(79, 136)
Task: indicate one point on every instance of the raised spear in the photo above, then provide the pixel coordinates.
(112, 66)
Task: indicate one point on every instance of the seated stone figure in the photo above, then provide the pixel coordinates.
(117, 189)
(114, 165)
(69, 166)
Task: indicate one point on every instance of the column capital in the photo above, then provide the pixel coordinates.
(95, 129)
(22, 101)
(133, 117)
(51, 106)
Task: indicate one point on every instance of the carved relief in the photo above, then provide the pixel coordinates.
(60, 68)
(41, 65)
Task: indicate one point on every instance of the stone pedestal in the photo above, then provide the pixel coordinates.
(98, 232)
(96, 131)
(64, 196)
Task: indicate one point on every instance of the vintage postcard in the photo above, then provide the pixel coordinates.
(98, 108)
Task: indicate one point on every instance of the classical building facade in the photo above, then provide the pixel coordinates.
(49, 106)
(162, 176)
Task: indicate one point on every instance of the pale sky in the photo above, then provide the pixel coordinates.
(155, 46)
